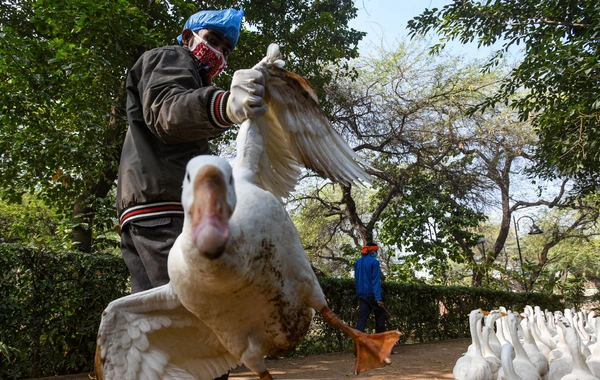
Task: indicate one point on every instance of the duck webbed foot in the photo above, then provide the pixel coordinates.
(265, 376)
(366, 357)
(372, 350)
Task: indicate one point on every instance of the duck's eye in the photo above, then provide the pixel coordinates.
(230, 180)
(187, 176)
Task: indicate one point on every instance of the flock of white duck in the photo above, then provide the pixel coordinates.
(531, 345)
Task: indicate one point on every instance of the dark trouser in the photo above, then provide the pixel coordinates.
(365, 306)
(145, 246)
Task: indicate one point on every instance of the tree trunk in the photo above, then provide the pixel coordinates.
(352, 215)
(81, 234)
(83, 215)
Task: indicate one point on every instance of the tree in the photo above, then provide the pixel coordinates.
(330, 240)
(567, 245)
(438, 170)
(396, 115)
(36, 226)
(62, 84)
(330, 246)
(560, 71)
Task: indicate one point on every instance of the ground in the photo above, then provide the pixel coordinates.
(426, 361)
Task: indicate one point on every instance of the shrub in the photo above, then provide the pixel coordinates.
(51, 308)
(52, 303)
(422, 313)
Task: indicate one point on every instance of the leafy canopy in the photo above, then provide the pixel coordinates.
(64, 64)
(560, 70)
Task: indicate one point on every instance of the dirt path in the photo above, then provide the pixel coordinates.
(427, 361)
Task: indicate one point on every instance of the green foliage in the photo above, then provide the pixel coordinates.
(51, 308)
(560, 70)
(311, 35)
(27, 223)
(567, 249)
(580, 256)
(573, 291)
(32, 223)
(62, 75)
(425, 219)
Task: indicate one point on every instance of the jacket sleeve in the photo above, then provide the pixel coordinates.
(176, 106)
(376, 281)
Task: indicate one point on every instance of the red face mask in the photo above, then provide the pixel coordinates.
(209, 56)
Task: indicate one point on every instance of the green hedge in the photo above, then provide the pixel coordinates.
(422, 313)
(52, 302)
(51, 307)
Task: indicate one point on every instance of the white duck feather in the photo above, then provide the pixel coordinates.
(508, 355)
(593, 361)
(494, 341)
(537, 358)
(563, 364)
(488, 353)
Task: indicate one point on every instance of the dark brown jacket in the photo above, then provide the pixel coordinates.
(172, 114)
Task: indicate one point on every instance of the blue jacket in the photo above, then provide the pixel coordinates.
(368, 277)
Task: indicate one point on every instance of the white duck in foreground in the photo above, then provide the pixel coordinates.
(537, 358)
(472, 365)
(488, 353)
(593, 361)
(241, 284)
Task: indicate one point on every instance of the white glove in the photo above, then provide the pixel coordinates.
(246, 96)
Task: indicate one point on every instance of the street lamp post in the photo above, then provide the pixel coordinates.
(534, 230)
(481, 241)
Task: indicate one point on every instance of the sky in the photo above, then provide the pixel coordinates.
(385, 22)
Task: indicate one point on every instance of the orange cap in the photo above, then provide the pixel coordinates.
(368, 248)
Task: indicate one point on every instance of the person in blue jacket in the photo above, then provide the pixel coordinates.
(368, 288)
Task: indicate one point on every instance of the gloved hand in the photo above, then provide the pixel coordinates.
(246, 96)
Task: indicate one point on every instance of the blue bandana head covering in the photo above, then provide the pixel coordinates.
(227, 21)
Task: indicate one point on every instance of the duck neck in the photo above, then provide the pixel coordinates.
(527, 331)
(485, 337)
(519, 350)
(475, 335)
(574, 347)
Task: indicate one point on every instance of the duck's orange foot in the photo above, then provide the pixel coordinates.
(374, 350)
(265, 376)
